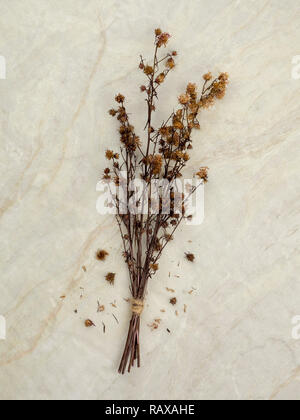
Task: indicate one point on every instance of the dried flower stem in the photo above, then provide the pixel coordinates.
(145, 235)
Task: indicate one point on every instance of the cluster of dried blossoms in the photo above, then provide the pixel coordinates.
(164, 156)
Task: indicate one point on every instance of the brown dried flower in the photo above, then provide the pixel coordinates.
(148, 70)
(186, 157)
(109, 154)
(184, 99)
(178, 125)
(120, 98)
(191, 88)
(207, 77)
(163, 39)
(170, 63)
(154, 267)
(113, 112)
(224, 77)
(156, 163)
(203, 174)
(160, 78)
(219, 89)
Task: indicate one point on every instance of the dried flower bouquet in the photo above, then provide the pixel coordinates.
(146, 225)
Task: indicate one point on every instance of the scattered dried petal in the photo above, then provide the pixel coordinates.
(153, 326)
(101, 255)
(101, 308)
(88, 323)
(110, 278)
(190, 257)
(173, 301)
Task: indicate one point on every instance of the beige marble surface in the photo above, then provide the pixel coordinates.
(65, 61)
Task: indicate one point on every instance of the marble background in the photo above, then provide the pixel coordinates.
(65, 61)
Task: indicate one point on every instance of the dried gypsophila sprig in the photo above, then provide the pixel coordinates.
(164, 157)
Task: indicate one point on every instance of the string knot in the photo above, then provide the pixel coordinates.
(137, 306)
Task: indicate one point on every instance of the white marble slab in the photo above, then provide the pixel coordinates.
(64, 63)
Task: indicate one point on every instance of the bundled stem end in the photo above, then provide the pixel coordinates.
(132, 347)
